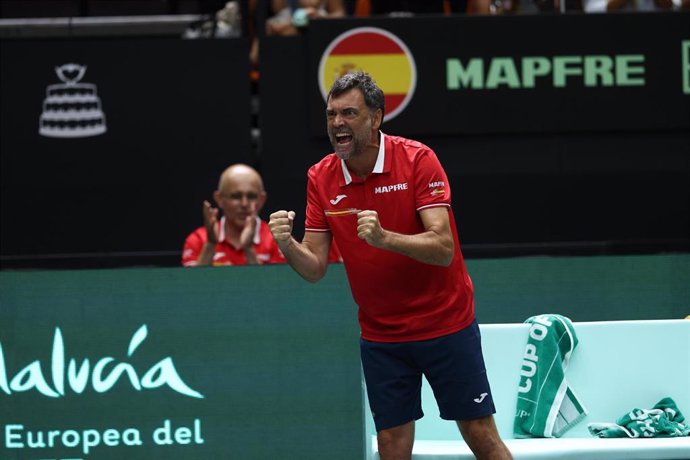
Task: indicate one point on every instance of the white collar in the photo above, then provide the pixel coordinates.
(378, 166)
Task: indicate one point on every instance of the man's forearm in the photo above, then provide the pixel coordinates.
(435, 245)
(206, 254)
(250, 256)
(303, 260)
(428, 247)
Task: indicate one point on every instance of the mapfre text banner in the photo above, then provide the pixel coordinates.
(454, 75)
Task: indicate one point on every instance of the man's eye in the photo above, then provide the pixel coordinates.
(239, 196)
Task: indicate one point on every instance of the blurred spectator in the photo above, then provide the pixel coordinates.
(548, 6)
(239, 237)
(403, 7)
(676, 5)
(498, 7)
(291, 16)
(602, 6)
(224, 23)
(414, 7)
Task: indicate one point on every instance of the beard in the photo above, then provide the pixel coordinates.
(360, 141)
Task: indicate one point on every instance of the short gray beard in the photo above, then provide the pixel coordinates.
(359, 146)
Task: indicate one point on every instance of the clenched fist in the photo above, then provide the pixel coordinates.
(280, 224)
(369, 228)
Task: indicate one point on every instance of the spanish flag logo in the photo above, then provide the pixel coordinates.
(379, 53)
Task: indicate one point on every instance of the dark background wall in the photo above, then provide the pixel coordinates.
(66, 8)
(575, 170)
(176, 112)
(608, 172)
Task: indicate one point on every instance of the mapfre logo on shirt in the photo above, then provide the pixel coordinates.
(437, 188)
(391, 188)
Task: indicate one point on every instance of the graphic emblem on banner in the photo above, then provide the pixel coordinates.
(379, 53)
(71, 109)
(69, 374)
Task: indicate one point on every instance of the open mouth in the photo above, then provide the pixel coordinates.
(342, 139)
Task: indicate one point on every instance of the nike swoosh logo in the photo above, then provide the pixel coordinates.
(338, 199)
(480, 398)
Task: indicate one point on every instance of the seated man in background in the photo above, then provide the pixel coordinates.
(239, 237)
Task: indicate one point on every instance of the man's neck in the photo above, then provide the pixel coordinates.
(362, 165)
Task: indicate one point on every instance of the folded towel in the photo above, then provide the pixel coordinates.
(664, 420)
(547, 406)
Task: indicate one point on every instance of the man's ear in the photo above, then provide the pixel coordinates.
(378, 119)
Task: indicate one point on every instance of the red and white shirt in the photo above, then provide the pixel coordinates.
(399, 298)
(265, 247)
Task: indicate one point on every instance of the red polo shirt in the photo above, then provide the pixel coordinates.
(265, 247)
(399, 298)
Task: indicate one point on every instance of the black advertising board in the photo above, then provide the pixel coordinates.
(110, 145)
(466, 75)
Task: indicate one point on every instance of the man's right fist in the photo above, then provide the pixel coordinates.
(280, 224)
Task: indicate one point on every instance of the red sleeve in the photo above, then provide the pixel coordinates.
(315, 219)
(431, 183)
(192, 247)
(334, 253)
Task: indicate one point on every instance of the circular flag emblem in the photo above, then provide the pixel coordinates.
(380, 54)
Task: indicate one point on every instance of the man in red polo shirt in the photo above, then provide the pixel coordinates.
(385, 201)
(239, 237)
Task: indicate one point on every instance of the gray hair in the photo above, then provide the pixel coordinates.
(373, 95)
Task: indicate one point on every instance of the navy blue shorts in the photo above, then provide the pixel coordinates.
(452, 364)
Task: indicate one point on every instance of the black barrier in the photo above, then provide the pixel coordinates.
(111, 145)
(485, 74)
(226, 363)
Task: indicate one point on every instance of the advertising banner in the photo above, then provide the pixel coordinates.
(120, 136)
(455, 75)
(218, 363)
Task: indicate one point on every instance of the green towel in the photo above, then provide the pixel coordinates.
(662, 421)
(547, 407)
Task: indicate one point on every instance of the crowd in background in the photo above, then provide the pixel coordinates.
(258, 18)
(285, 17)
